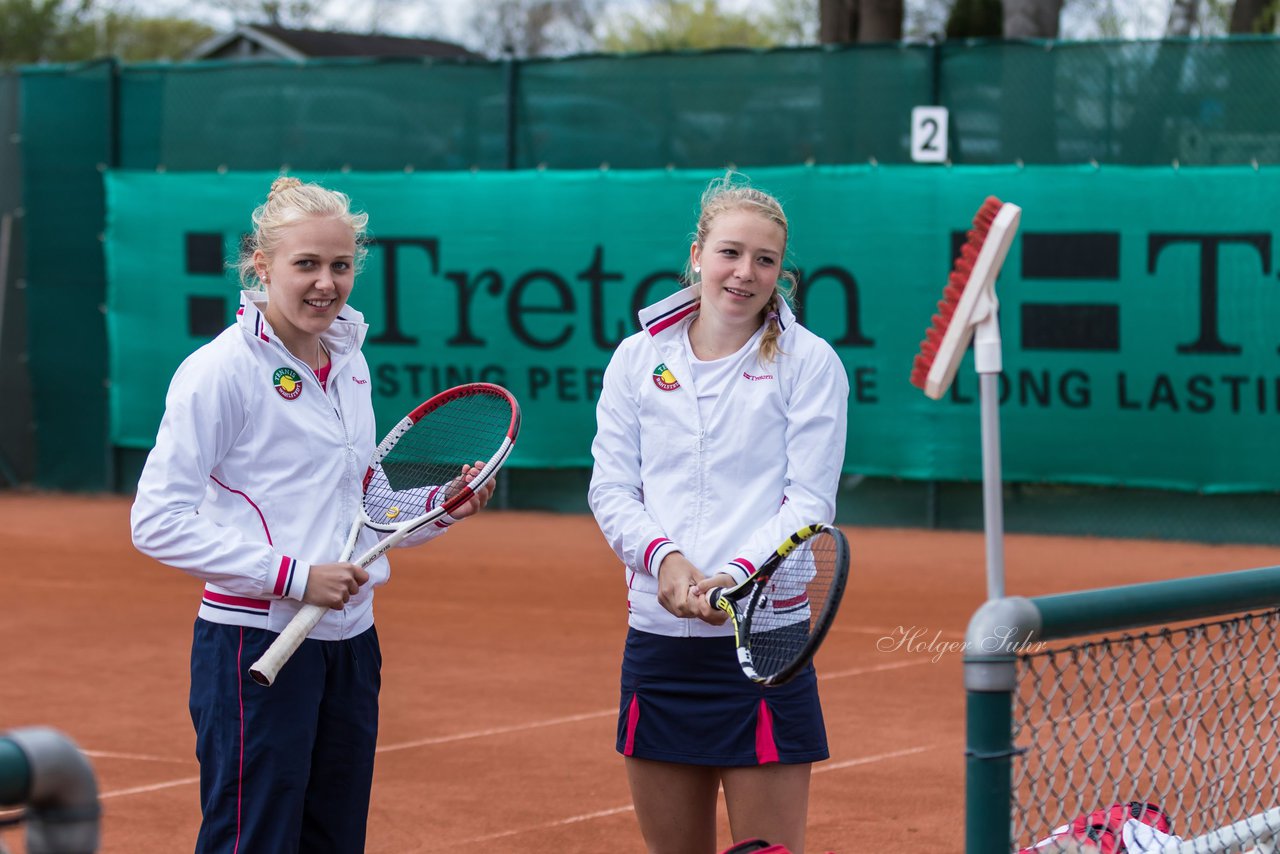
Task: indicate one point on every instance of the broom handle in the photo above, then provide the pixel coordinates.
(988, 362)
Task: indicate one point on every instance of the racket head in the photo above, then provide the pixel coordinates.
(416, 468)
(793, 602)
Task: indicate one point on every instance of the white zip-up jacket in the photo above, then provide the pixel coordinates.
(725, 492)
(256, 474)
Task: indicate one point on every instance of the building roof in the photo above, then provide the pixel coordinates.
(254, 41)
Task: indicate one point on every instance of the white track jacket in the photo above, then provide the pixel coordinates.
(256, 474)
(725, 492)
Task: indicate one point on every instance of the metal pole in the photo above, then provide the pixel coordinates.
(992, 483)
(513, 89)
(996, 632)
(6, 236)
(988, 772)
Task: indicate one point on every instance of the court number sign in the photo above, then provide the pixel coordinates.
(929, 134)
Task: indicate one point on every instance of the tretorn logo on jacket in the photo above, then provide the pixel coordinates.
(287, 383)
(664, 379)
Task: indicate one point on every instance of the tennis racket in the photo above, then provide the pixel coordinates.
(415, 478)
(782, 613)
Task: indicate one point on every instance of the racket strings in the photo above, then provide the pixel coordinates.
(422, 470)
(787, 607)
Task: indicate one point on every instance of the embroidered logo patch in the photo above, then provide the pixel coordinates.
(664, 379)
(287, 383)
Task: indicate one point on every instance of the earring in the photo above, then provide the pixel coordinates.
(697, 268)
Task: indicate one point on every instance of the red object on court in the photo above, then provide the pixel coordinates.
(1103, 827)
(758, 846)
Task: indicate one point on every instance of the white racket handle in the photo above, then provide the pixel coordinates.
(266, 668)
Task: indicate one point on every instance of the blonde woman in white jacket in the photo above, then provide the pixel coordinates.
(720, 430)
(251, 487)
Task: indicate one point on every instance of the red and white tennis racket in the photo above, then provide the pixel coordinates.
(415, 478)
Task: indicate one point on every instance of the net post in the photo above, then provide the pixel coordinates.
(996, 632)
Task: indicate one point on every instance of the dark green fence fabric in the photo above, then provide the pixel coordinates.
(1138, 306)
(17, 442)
(1190, 101)
(357, 115)
(67, 143)
(1197, 102)
(750, 108)
(1166, 103)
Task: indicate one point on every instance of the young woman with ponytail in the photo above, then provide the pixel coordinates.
(720, 430)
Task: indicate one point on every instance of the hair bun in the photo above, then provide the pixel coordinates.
(282, 184)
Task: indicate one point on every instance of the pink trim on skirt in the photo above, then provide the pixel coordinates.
(633, 719)
(766, 747)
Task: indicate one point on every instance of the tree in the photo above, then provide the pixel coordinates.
(843, 21)
(60, 31)
(279, 13)
(925, 19)
(838, 21)
(36, 30)
(975, 19)
(133, 38)
(1031, 19)
(685, 25)
(880, 20)
(794, 22)
(1184, 15)
(535, 27)
(1254, 16)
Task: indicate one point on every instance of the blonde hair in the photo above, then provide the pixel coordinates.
(289, 202)
(733, 192)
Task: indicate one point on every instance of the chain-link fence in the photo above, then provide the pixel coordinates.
(1142, 712)
(1185, 719)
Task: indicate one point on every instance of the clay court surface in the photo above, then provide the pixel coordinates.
(502, 643)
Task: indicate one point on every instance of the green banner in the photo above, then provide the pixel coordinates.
(1138, 306)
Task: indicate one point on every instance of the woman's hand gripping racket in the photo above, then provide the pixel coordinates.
(427, 466)
(793, 601)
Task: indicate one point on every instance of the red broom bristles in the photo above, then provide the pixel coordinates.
(951, 294)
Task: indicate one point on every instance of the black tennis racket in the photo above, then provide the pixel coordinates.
(415, 478)
(782, 613)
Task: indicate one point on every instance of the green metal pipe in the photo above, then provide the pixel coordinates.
(15, 774)
(988, 772)
(1068, 615)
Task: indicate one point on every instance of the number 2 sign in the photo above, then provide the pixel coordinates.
(929, 134)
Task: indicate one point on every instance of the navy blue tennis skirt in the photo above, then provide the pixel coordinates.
(686, 700)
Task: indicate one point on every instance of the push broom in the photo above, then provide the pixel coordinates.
(969, 311)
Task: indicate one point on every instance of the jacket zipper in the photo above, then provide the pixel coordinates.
(353, 466)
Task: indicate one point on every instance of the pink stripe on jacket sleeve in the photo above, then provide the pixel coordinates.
(650, 551)
(284, 575)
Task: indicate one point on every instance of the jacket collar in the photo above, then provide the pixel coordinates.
(663, 319)
(344, 336)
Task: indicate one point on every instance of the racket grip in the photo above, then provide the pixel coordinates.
(714, 595)
(265, 669)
